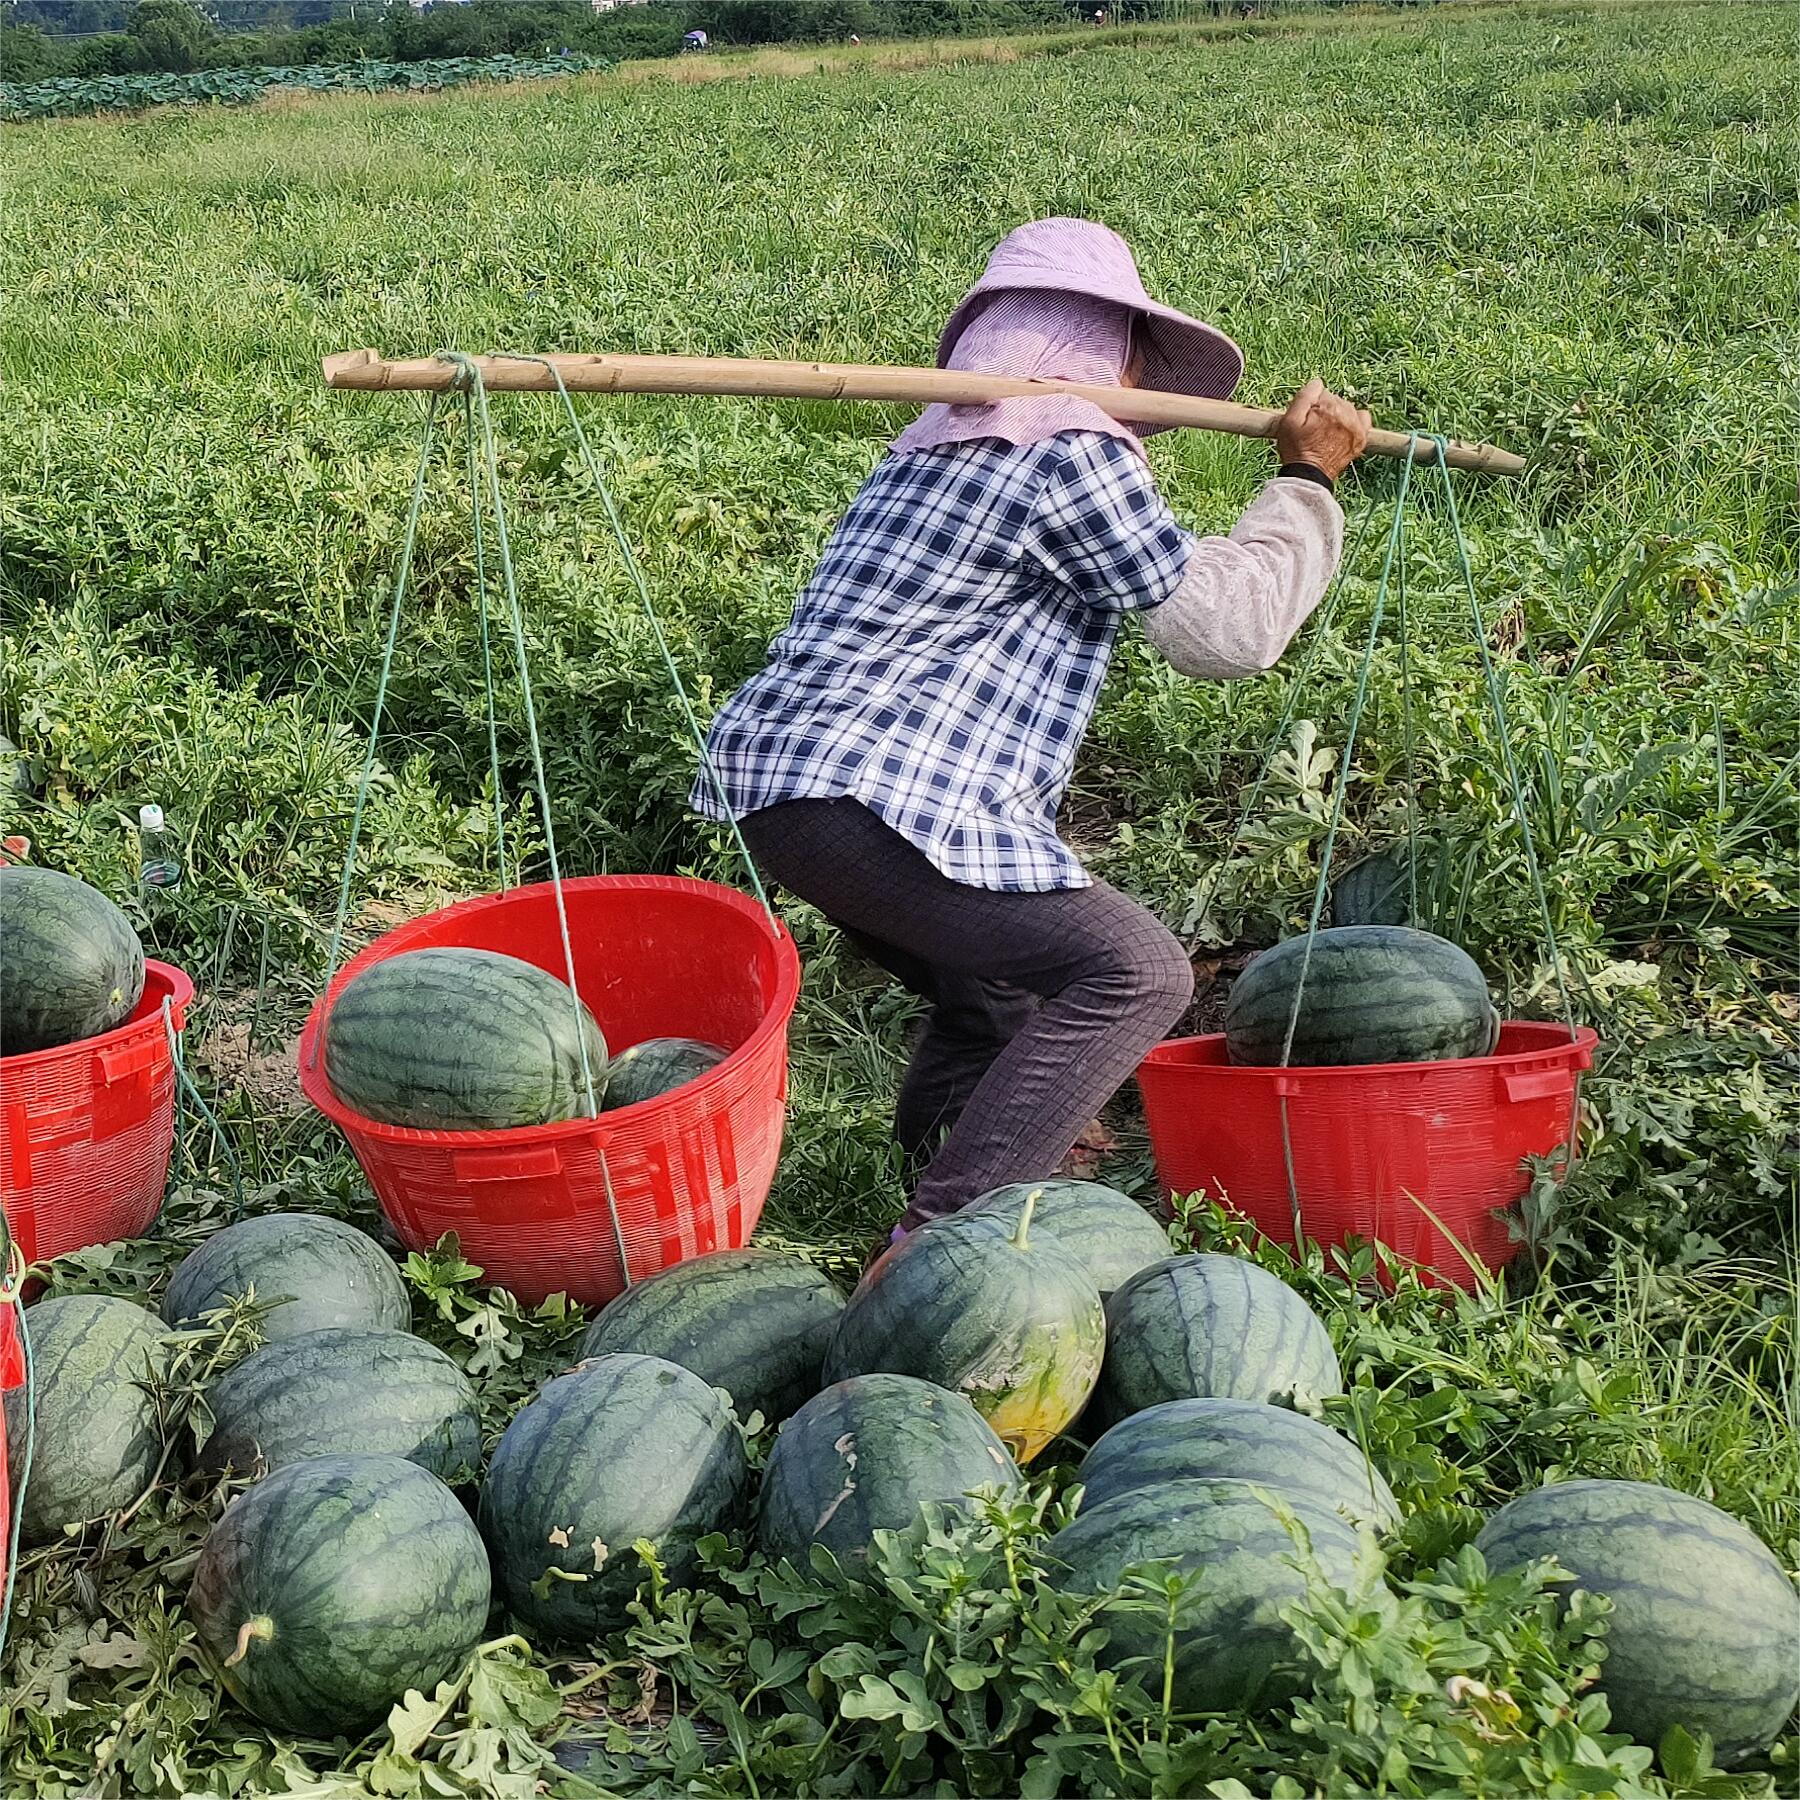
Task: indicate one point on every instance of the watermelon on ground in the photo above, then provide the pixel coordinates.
(310, 1270)
(97, 1444)
(620, 1448)
(1377, 890)
(658, 1066)
(71, 966)
(1705, 1626)
(983, 1305)
(327, 1591)
(18, 774)
(1208, 1326)
(344, 1392)
(864, 1456)
(1244, 1440)
(1371, 994)
(462, 1040)
(1233, 1650)
(753, 1322)
(1107, 1232)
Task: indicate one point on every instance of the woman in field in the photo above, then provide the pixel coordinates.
(900, 759)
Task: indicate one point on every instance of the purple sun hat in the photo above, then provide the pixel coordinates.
(1182, 355)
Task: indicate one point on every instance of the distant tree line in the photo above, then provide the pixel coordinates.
(39, 38)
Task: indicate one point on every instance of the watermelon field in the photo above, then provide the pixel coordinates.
(1570, 229)
(69, 96)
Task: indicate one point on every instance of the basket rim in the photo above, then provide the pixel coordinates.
(178, 990)
(1168, 1058)
(773, 1023)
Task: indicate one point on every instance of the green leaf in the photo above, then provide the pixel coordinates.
(507, 1691)
(118, 1650)
(1687, 1760)
(970, 1678)
(411, 1723)
(393, 1772)
(1044, 1775)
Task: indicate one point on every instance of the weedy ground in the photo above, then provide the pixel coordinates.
(1569, 229)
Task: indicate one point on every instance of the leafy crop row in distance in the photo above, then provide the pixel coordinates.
(71, 96)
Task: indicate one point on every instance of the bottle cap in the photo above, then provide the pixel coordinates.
(150, 818)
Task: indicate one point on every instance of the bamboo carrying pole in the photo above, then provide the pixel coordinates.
(366, 371)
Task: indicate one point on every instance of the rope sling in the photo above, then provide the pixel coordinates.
(483, 469)
(1393, 578)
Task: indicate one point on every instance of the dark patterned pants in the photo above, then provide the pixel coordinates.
(1042, 1005)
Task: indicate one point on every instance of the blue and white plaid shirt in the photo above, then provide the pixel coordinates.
(945, 659)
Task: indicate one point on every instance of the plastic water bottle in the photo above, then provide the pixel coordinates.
(159, 859)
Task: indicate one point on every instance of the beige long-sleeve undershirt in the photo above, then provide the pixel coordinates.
(1244, 596)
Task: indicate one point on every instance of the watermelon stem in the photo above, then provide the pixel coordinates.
(258, 1630)
(1021, 1238)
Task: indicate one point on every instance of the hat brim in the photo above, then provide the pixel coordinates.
(1182, 354)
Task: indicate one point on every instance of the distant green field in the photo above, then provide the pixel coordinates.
(1570, 229)
(70, 97)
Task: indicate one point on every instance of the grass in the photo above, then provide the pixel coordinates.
(1567, 228)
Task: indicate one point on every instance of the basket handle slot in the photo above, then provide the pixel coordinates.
(1536, 1084)
(127, 1060)
(507, 1165)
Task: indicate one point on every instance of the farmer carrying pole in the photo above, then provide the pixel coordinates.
(900, 759)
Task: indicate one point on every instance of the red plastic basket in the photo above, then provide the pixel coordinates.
(86, 1129)
(1378, 1149)
(655, 956)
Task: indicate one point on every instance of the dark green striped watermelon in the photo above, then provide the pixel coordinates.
(1373, 994)
(1108, 1233)
(317, 1272)
(864, 1456)
(461, 1040)
(1218, 1327)
(1243, 1440)
(752, 1322)
(342, 1392)
(97, 1444)
(982, 1306)
(70, 964)
(1378, 890)
(18, 773)
(658, 1066)
(1233, 1650)
(1705, 1627)
(621, 1448)
(327, 1591)
(1375, 891)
